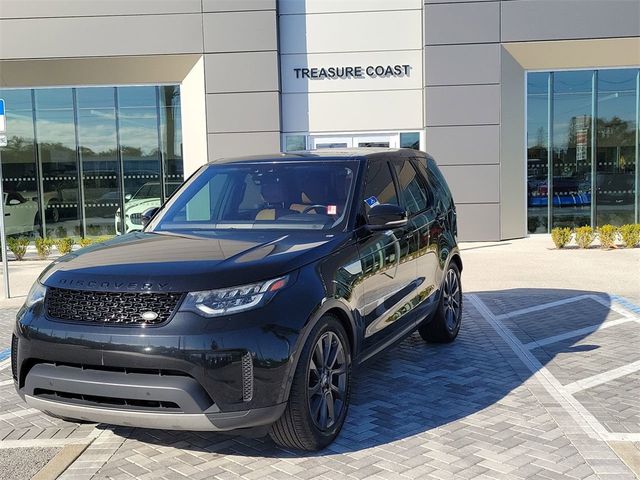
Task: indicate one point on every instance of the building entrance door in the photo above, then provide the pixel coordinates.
(385, 140)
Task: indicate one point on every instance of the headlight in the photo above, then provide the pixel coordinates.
(214, 303)
(35, 295)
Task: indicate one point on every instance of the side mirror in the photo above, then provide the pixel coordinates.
(147, 215)
(14, 201)
(386, 216)
(128, 197)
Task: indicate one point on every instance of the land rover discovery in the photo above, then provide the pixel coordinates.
(248, 297)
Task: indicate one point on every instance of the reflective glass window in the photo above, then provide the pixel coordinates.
(98, 150)
(19, 166)
(139, 149)
(616, 147)
(571, 162)
(410, 140)
(171, 135)
(56, 141)
(537, 152)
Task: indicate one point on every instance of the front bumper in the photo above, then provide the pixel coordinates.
(169, 421)
(190, 373)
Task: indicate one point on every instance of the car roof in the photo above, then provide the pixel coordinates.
(369, 153)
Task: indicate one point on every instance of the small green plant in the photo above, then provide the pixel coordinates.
(584, 236)
(64, 245)
(630, 235)
(94, 230)
(43, 247)
(18, 246)
(85, 242)
(561, 236)
(607, 235)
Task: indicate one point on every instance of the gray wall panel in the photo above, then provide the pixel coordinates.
(67, 8)
(566, 19)
(100, 36)
(240, 31)
(479, 222)
(241, 72)
(478, 144)
(242, 112)
(237, 5)
(462, 23)
(462, 64)
(473, 183)
(223, 145)
(463, 105)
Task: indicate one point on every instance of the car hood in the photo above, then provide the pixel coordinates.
(155, 262)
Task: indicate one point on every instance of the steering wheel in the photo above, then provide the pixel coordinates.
(311, 207)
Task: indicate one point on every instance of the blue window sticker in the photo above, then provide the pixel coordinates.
(371, 201)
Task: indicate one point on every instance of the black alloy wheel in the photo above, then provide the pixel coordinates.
(444, 326)
(319, 396)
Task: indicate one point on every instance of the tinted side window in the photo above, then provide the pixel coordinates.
(415, 193)
(430, 171)
(379, 186)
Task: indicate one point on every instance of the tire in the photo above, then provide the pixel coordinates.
(306, 423)
(445, 324)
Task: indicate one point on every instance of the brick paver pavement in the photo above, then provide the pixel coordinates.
(491, 405)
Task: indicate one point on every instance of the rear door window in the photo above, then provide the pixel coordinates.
(414, 192)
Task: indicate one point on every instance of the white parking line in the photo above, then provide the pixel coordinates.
(575, 333)
(590, 425)
(585, 419)
(543, 306)
(50, 442)
(601, 378)
(19, 413)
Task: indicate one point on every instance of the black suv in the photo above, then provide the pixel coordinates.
(248, 297)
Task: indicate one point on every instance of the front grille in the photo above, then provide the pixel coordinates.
(114, 308)
(136, 218)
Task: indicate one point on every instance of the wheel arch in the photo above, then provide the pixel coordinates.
(345, 317)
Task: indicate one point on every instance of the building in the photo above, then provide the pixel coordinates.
(530, 106)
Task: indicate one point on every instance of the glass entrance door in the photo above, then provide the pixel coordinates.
(347, 141)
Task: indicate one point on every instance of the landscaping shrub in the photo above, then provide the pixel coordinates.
(584, 236)
(43, 247)
(630, 235)
(561, 236)
(65, 245)
(85, 242)
(18, 246)
(608, 235)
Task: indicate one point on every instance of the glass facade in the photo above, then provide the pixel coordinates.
(582, 148)
(87, 161)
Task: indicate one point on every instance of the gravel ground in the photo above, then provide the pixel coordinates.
(23, 463)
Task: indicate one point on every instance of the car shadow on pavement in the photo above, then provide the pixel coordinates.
(417, 388)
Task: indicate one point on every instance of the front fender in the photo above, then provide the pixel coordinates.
(334, 305)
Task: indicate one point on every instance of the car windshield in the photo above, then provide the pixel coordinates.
(308, 195)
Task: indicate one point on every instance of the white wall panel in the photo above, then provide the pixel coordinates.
(473, 183)
(462, 23)
(75, 8)
(291, 84)
(100, 36)
(463, 105)
(348, 32)
(332, 6)
(468, 145)
(352, 111)
(462, 64)
(478, 222)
